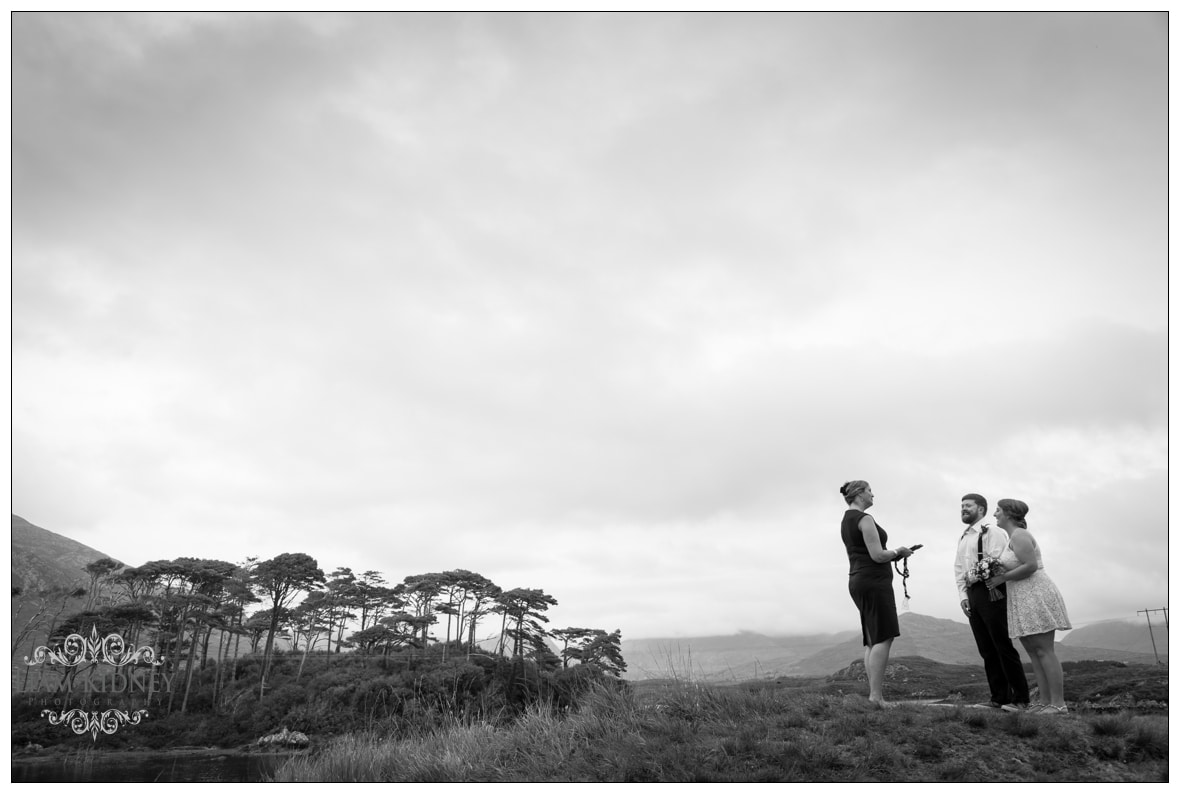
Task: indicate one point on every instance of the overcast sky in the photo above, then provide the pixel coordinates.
(603, 305)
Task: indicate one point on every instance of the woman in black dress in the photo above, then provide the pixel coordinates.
(870, 582)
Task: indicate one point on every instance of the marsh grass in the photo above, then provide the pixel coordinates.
(686, 732)
(81, 761)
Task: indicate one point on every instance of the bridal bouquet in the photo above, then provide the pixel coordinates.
(986, 569)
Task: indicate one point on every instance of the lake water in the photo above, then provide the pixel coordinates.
(146, 768)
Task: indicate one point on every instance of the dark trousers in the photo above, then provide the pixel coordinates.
(1001, 661)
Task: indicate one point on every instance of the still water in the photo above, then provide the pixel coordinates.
(148, 768)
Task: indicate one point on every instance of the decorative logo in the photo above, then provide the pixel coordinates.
(81, 721)
(110, 650)
(77, 649)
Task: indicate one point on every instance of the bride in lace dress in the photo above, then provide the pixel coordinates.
(1036, 610)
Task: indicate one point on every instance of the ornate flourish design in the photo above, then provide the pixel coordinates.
(81, 722)
(77, 649)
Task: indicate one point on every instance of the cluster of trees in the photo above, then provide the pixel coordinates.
(199, 612)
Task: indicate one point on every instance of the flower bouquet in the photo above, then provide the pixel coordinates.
(986, 569)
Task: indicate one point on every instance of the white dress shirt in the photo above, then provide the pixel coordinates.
(995, 540)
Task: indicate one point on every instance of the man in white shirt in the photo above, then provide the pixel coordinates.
(988, 618)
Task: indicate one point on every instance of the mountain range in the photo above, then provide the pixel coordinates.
(42, 559)
(747, 655)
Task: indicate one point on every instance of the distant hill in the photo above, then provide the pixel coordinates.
(949, 642)
(739, 657)
(747, 656)
(946, 641)
(45, 565)
(1123, 635)
(43, 559)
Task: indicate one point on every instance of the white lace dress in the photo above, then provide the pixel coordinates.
(1035, 604)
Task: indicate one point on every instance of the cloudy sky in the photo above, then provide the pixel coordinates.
(604, 305)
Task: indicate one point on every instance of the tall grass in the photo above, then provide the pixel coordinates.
(537, 743)
(686, 732)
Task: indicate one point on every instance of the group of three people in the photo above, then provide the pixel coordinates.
(1017, 601)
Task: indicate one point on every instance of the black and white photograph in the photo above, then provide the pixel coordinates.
(589, 396)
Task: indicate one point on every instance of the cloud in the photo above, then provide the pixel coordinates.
(607, 308)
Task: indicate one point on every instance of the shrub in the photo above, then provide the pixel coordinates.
(1022, 726)
(1149, 740)
(270, 714)
(974, 719)
(1111, 725)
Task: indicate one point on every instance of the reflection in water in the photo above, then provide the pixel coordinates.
(139, 768)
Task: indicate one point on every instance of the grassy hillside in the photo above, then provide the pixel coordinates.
(792, 730)
(43, 559)
(45, 568)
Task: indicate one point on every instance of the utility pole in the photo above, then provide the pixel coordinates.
(1148, 612)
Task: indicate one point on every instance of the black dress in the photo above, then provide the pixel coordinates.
(869, 583)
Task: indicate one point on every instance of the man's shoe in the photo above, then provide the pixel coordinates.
(1015, 707)
(991, 704)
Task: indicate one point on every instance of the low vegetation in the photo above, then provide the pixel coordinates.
(400, 694)
(678, 731)
(452, 718)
